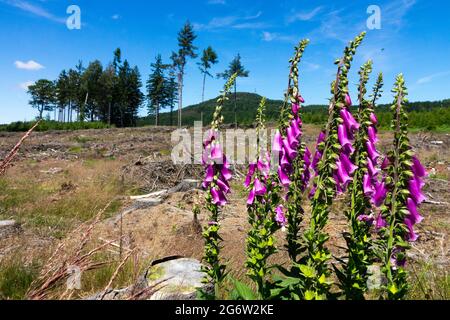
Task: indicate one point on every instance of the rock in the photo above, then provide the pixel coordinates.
(9, 228)
(52, 171)
(177, 279)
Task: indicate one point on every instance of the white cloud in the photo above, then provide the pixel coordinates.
(272, 36)
(304, 16)
(431, 77)
(216, 2)
(29, 65)
(116, 17)
(235, 22)
(25, 85)
(34, 9)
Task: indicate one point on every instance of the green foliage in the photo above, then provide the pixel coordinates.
(52, 125)
(16, 278)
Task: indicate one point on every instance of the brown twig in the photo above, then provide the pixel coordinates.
(9, 158)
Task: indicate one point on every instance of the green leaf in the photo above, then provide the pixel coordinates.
(310, 295)
(244, 291)
(307, 271)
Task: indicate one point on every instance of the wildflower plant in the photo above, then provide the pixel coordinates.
(293, 170)
(263, 212)
(404, 182)
(333, 176)
(353, 276)
(216, 186)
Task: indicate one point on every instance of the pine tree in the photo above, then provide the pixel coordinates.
(42, 96)
(237, 68)
(186, 38)
(208, 58)
(156, 88)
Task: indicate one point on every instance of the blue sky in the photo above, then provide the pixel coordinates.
(413, 39)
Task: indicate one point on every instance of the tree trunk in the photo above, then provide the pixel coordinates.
(235, 116)
(109, 113)
(203, 91)
(180, 97)
(171, 115)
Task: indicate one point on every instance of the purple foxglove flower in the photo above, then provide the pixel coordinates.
(373, 119)
(417, 168)
(414, 215)
(348, 100)
(295, 127)
(223, 186)
(321, 137)
(209, 173)
(342, 174)
(367, 185)
(251, 197)
(218, 197)
(385, 163)
(348, 165)
(380, 222)
(248, 180)
(412, 236)
(284, 162)
(366, 218)
(277, 142)
(260, 189)
(380, 194)
(284, 179)
(307, 157)
(291, 138)
(263, 167)
(416, 193)
(226, 173)
(372, 133)
(295, 108)
(216, 153)
(343, 138)
(373, 154)
(280, 217)
(349, 122)
(373, 172)
(394, 258)
(300, 98)
(291, 153)
(210, 138)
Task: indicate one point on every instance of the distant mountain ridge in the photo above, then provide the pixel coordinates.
(426, 114)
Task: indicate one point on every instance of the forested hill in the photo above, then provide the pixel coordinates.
(427, 115)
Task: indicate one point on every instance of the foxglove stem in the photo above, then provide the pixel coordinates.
(404, 183)
(263, 216)
(353, 274)
(318, 255)
(216, 187)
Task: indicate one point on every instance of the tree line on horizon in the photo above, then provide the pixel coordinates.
(112, 94)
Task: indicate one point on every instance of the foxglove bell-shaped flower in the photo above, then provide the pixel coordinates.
(218, 197)
(280, 217)
(277, 142)
(412, 236)
(348, 100)
(417, 168)
(372, 151)
(372, 170)
(416, 193)
(291, 138)
(260, 189)
(291, 153)
(380, 222)
(380, 194)
(348, 165)
(283, 177)
(251, 197)
(414, 215)
(349, 122)
(373, 119)
(209, 175)
(372, 133)
(251, 172)
(343, 139)
(216, 153)
(342, 174)
(295, 108)
(367, 185)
